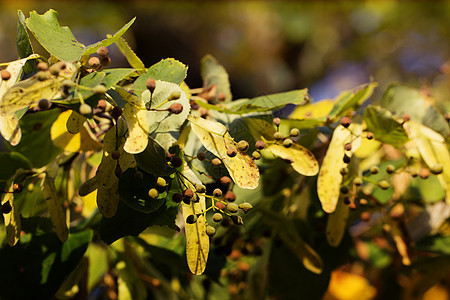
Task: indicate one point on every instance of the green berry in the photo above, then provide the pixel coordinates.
(344, 189)
(102, 51)
(175, 95)
(67, 84)
(242, 146)
(41, 75)
(191, 219)
(161, 182)
(210, 231)
(153, 193)
(232, 207)
(200, 189)
(85, 109)
(374, 170)
(278, 136)
(276, 121)
(99, 89)
(287, 143)
(294, 132)
(414, 173)
(260, 145)
(44, 104)
(344, 171)
(390, 169)
(384, 184)
(437, 169)
(256, 155)
(358, 181)
(246, 207)
(217, 217)
(217, 193)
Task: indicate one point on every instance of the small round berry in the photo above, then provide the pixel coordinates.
(225, 180)
(217, 217)
(220, 205)
(346, 159)
(200, 189)
(363, 201)
(221, 96)
(102, 51)
(346, 121)
(390, 169)
(115, 154)
(99, 89)
(374, 170)
(242, 146)
(346, 200)
(177, 197)
(237, 220)
(231, 151)
(406, 118)
(94, 62)
(210, 231)
(44, 104)
(437, 169)
(246, 207)
(175, 108)
(116, 112)
(352, 205)
(30, 187)
(447, 116)
(41, 75)
(6, 75)
(294, 132)
(365, 216)
(54, 69)
(278, 136)
(201, 156)
(176, 161)
(344, 171)
(414, 173)
(150, 84)
(153, 193)
(42, 66)
(260, 145)
(105, 61)
(256, 155)
(67, 84)
(191, 219)
(6, 207)
(424, 173)
(17, 188)
(118, 171)
(139, 175)
(358, 181)
(232, 207)
(384, 184)
(287, 143)
(101, 104)
(161, 182)
(230, 196)
(369, 135)
(348, 146)
(188, 193)
(85, 109)
(217, 193)
(276, 121)
(386, 228)
(216, 161)
(344, 189)
(175, 95)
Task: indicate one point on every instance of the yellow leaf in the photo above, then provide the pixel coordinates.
(108, 183)
(197, 241)
(75, 122)
(217, 140)
(348, 286)
(55, 209)
(337, 224)
(11, 219)
(89, 203)
(137, 123)
(433, 149)
(303, 161)
(330, 178)
(314, 110)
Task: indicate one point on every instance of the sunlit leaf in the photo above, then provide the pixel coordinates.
(348, 286)
(213, 73)
(330, 178)
(314, 110)
(216, 139)
(135, 115)
(385, 128)
(55, 209)
(61, 43)
(197, 241)
(75, 122)
(337, 224)
(24, 46)
(351, 98)
(303, 161)
(129, 54)
(11, 219)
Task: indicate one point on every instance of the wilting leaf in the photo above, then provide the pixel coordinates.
(213, 73)
(129, 54)
(330, 178)
(135, 115)
(351, 98)
(433, 149)
(197, 241)
(55, 209)
(11, 219)
(83, 141)
(385, 128)
(59, 41)
(108, 190)
(216, 139)
(337, 224)
(303, 161)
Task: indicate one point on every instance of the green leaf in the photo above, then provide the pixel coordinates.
(129, 54)
(10, 162)
(168, 69)
(59, 41)
(24, 46)
(352, 98)
(55, 209)
(385, 128)
(153, 159)
(213, 73)
(436, 243)
(337, 224)
(134, 192)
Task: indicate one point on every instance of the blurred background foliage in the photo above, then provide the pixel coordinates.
(269, 46)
